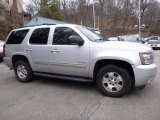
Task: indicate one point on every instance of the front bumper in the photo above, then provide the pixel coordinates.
(144, 74)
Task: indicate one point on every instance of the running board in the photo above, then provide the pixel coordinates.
(65, 77)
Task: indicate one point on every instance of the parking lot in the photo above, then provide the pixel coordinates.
(53, 99)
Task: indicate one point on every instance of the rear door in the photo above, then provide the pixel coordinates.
(38, 49)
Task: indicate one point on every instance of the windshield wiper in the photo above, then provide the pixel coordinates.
(101, 40)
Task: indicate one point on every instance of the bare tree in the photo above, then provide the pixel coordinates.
(32, 7)
(72, 10)
(114, 15)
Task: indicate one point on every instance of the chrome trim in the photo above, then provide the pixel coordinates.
(41, 62)
(74, 65)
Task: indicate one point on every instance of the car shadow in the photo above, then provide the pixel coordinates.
(67, 84)
(89, 87)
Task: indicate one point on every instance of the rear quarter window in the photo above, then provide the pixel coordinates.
(17, 37)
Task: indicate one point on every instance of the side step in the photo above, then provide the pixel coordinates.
(65, 77)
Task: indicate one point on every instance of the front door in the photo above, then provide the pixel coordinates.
(67, 58)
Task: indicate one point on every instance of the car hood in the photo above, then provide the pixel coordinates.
(124, 45)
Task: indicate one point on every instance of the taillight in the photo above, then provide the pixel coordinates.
(4, 51)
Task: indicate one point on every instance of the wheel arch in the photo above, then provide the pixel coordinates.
(120, 63)
(15, 58)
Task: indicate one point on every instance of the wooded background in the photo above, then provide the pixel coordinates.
(113, 17)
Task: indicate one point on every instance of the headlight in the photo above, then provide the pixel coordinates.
(147, 58)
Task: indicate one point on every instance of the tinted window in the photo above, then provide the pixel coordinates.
(17, 37)
(62, 34)
(40, 36)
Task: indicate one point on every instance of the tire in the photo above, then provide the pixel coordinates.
(23, 72)
(117, 82)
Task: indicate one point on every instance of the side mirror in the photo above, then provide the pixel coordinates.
(76, 40)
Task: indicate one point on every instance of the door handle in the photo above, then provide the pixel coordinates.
(55, 51)
(29, 50)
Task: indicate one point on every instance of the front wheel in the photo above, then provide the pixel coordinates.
(113, 81)
(23, 71)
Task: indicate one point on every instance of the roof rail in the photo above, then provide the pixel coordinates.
(31, 26)
(38, 25)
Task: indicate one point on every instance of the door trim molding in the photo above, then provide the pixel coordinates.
(65, 64)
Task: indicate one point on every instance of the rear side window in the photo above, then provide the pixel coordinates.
(17, 37)
(40, 36)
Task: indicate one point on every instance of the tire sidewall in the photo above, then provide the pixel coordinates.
(122, 72)
(28, 69)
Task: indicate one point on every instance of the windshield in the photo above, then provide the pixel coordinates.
(91, 35)
(153, 42)
(153, 38)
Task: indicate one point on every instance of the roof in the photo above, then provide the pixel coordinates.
(43, 25)
(41, 21)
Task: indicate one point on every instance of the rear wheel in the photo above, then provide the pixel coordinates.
(113, 81)
(23, 71)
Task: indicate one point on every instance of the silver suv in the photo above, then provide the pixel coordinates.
(75, 53)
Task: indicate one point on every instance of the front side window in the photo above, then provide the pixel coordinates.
(16, 37)
(40, 36)
(62, 34)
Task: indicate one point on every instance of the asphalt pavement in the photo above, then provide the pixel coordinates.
(54, 99)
